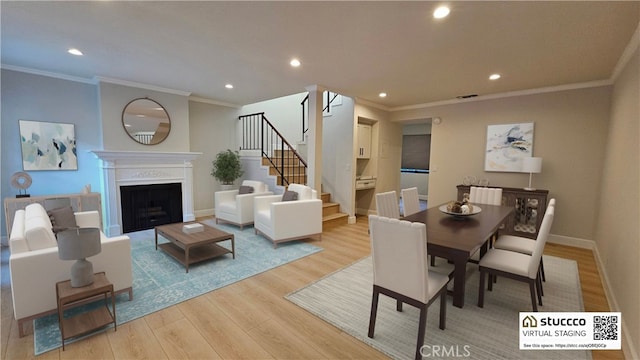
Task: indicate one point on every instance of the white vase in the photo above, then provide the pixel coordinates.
(226, 186)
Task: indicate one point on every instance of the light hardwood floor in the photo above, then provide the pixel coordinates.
(251, 319)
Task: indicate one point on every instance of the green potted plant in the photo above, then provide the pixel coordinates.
(227, 167)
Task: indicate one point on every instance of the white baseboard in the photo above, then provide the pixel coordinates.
(351, 220)
(204, 213)
(628, 344)
(571, 241)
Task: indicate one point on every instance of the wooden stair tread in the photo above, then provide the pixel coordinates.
(334, 216)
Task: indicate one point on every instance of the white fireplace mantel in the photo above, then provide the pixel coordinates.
(124, 168)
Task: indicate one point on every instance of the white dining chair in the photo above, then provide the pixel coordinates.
(521, 244)
(400, 271)
(410, 201)
(387, 204)
(518, 266)
(488, 196)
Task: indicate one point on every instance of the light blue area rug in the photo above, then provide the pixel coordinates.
(486, 333)
(159, 281)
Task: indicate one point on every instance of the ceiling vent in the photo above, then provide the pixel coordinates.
(466, 96)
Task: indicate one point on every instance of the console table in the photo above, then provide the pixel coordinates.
(79, 202)
(530, 206)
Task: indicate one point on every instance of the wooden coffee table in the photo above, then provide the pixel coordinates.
(195, 247)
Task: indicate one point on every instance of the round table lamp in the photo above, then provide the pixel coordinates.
(531, 165)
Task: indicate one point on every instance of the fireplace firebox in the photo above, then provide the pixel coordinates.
(146, 206)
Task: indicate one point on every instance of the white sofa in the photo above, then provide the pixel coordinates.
(35, 267)
(281, 221)
(236, 208)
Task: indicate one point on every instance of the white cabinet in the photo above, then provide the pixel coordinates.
(364, 141)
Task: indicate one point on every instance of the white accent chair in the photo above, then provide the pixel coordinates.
(400, 271)
(236, 208)
(387, 204)
(410, 201)
(521, 244)
(281, 221)
(517, 266)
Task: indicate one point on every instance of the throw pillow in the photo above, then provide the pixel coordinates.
(290, 196)
(244, 189)
(62, 218)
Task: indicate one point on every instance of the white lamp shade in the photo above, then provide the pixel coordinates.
(532, 165)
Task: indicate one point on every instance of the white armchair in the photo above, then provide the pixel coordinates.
(236, 208)
(281, 221)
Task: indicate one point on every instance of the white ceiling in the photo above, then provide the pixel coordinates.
(355, 48)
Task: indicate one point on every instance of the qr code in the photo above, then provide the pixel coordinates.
(605, 327)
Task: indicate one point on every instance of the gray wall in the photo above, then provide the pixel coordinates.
(39, 98)
(617, 231)
(212, 129)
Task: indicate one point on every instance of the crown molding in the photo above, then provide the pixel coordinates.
(584, 85)
(213, 102)
(48, 74)
(100, 79)
(372, 104)
(633, 45)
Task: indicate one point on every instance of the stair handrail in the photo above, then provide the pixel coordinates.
(304, 104)
(266, 138)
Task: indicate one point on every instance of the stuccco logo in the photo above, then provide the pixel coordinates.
(532, 322)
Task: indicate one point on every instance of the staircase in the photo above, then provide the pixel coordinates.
(283, 161)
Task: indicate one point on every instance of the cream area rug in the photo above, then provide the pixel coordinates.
(344, 300)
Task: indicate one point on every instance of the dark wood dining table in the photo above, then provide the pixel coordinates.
(457, 238)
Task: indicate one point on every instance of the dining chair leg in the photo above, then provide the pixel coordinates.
(374, 311)
(540, 283)
(544, 278)
(481, 290)
(433, 260)
(398, 305)
(538, 289)
(443, 308)
(422, 326)
(491, 277)
(532, 289)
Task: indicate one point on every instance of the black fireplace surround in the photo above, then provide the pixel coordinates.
(146, 206)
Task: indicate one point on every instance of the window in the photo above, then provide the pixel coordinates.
(415, 153)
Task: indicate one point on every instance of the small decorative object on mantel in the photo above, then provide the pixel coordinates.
(469, 180)
(192, 228)
(21, 181)
(86, 189)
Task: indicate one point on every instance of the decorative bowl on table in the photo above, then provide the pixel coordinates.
(460, 209)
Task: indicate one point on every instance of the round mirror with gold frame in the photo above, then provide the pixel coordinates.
(146, 121)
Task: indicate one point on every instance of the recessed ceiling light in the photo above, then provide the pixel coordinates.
(382, 94)
(494, 77)
(229, 86)
(75, 52)
(295, 62)
(441, 12)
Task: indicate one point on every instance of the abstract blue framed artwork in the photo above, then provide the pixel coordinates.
(507, 144)
(48, 146)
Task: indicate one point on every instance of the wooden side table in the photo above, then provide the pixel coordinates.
(86, 322)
